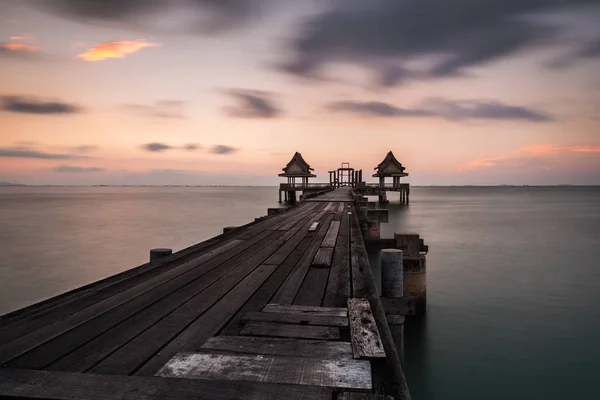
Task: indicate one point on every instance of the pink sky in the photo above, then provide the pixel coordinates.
(223, 94)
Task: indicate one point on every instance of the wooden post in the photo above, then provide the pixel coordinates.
(157, 254)
(415, 271)
(392, 285)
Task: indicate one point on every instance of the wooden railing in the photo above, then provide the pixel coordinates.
(404, 186)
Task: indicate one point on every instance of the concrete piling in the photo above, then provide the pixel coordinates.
(392, 273)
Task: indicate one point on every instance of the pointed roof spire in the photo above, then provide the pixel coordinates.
(390, 166)
(297, 167)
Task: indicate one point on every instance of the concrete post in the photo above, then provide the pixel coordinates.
(157, 254)
(392, 279)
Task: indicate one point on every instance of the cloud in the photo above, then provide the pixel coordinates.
(156, 147)
(540, 156)
(203, 16)
(160, 109)
(117, 49)
(161, 147)
(253, 104)
(84, 148)
(445, 109)
(19, 51)
(222, 149)
(443, 37)
(20, 152)
(75, 169)
(34, 105)
(590, 50)
(19, 47)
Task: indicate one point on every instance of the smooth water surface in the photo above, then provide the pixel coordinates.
(513, 274)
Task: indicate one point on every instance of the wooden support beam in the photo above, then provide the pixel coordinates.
(275, 329)
(280, 346)
(306, 310)
(302, 319)
(364, 334)
(334, 374)
(30, 384)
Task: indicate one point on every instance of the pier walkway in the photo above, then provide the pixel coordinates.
(283, 307)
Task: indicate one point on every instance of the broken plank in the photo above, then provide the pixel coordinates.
(302, 319)
(364, 334)
(331, 235)
(275, 329)
(296, 309)
(279, 346)
(323, 257)
(313, 227)
(335, 374)
(24, 384)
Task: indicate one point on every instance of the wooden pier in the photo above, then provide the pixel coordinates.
(283, 307)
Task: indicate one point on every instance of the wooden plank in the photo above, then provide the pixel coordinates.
(313, 227)
(306, 310)
(80, 298)
(137, 314)
(398, 305)
(361, 396)
(295, 318)
(94, 351)
(262, 296)
(332, 233)
(149, 348)
(275, 329)
(323, 257)
(312, 290)
(280, 346)
(334, 374)
(338, 285)
(105, 344)
(366, 342)
(29, 384)
(288, 290)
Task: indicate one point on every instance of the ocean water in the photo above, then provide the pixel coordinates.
(513, 273)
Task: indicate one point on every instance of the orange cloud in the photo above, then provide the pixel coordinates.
(528, 152)
(119, 49)
(18, 47)
(17, 38)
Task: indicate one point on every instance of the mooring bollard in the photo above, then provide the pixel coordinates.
(392, 273)
(392, 285)
(157, 254)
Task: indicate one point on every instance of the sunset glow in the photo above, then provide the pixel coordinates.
(228, 94)
(103, 51)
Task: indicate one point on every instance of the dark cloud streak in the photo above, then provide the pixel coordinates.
(253, 104)
(445, 109)
(75, 169)
(35, 105)
(222, 149)
(13, 152)
(451, 36)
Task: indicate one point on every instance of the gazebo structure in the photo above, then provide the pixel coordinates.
(296, 168)
(391, 167)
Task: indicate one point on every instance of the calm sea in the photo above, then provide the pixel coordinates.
(513, 273)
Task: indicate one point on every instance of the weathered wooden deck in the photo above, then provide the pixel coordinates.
(258, 312)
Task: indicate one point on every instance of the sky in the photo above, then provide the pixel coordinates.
(205, 92)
